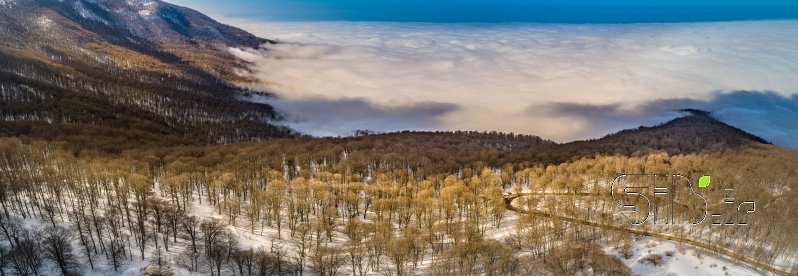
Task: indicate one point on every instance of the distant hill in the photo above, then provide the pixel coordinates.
(696, 132)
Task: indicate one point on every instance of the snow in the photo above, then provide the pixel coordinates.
(88, 14)
(135, 268)
(684, 260)
(44, 22)
(146, 8)
(505, 230)
(141, 2)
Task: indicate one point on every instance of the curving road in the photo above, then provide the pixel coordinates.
(508, 202)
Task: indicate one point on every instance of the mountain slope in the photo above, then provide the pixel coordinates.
(114, 69)
(171, 34)
(696, 132)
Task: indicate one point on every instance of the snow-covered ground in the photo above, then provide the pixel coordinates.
(683, 259)
(677, 260)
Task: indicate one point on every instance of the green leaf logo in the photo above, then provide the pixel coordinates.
(703, 182)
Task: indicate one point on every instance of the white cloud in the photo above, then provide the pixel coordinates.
(491, 74)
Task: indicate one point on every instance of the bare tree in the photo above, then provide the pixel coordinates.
(158, 211)
(302, 244)
(244, 260)
(273, 262)
(325, 260)
(211, 230)
(140, 185)
(190, 226)
(398, 252)
(216, 255)
(81, 224)
(12, 229)
(57, 248)
(25, 257)
(173, 216)
(267, 263)
(356, 231)
(116, 253)
(4, 259)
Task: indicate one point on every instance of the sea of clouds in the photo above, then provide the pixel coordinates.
(559, 81)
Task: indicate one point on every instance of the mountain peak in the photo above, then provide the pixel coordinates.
(154, 21)
(696, 132)
(124, 30)
(704, 123)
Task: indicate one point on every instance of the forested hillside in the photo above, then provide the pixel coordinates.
(116, 74)
(268, 208)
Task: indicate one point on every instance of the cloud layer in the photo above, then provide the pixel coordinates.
(336, 117)
(524, 78)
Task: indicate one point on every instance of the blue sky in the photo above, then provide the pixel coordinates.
(554, 11)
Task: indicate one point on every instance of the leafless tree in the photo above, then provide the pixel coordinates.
(244, 260)
(57, 248)
(325, 260)
(4, 258)
(12, 229)
(191, 227)
(116, 253)
(26, 258)
(212, 230)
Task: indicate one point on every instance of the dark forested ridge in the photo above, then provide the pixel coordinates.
(696, 132)
(440, 152)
